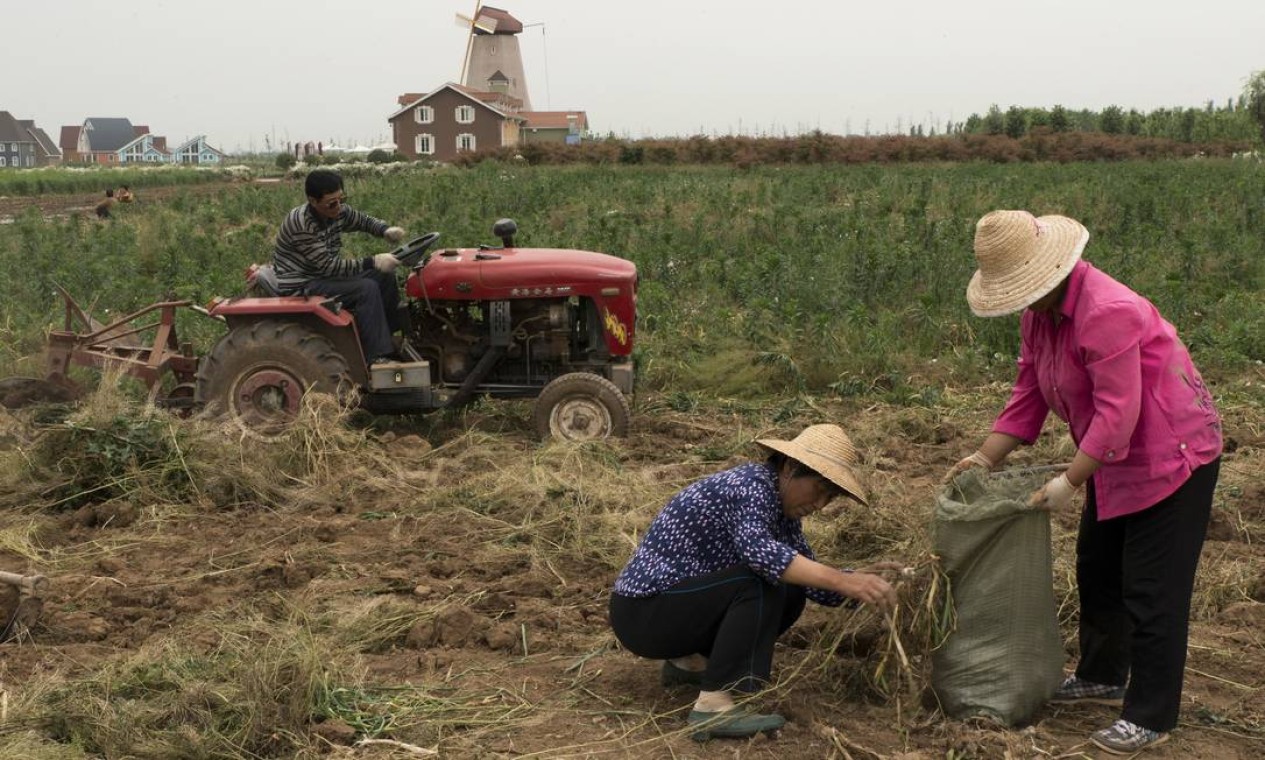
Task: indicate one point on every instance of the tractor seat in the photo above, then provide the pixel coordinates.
(263, 279)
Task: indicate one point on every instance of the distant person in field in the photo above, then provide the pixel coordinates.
(308, 261)
(124, 195)
(724, 569)
(103, 208)
(1148, 439)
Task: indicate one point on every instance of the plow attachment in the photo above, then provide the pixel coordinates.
(29, 590)
(143, 344)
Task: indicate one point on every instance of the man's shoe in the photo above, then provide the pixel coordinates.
(671, 675)
(1076, 690)
(734, 723)
(1125, 738)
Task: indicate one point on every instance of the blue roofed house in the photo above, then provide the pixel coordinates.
(102, 140)
(197, 151)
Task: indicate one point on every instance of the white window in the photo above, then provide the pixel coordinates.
(2, 160)
(424, 145)
(465, 114)
(465, 141)
(424, 114)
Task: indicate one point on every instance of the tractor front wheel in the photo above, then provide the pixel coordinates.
(258, 373)
(581, 406)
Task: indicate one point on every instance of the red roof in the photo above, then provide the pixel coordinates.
(500, 99)
(555, 119)
(505, 105)
(495, 98)
(69, 138)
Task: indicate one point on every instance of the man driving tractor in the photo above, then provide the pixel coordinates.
(308, 261)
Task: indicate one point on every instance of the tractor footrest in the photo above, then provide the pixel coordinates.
(386, 376)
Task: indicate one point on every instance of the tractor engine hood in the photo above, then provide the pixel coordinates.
(501, 273)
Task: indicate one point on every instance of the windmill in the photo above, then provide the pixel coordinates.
(493, 60)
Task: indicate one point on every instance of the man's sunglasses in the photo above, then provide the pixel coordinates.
(333, 203)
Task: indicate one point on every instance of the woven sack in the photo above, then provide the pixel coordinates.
(1004, 658)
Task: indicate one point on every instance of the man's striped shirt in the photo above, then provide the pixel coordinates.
(309, 247)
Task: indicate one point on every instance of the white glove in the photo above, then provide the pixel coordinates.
(394, 235)
(1054, 495)
(978, 459)
(385, 262)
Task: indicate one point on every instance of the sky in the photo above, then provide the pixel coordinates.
(256, 75)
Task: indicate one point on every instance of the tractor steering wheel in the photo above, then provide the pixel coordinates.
(411, 252)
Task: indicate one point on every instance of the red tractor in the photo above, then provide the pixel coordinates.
(551, 324)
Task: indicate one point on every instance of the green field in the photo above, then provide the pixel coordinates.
(830, 279)
(442, 580)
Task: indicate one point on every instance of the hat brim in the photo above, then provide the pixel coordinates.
(1062, 244)
(827, 467)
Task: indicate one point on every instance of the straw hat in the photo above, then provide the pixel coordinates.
(828, 451)
(1021, 258)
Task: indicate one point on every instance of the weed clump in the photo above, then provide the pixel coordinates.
(99, 460)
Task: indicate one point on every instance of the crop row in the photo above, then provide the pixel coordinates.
(848, 278)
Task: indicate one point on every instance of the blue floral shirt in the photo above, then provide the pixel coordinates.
(730, 518)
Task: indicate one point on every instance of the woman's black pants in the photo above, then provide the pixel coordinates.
(733, 617)
(1136, 574)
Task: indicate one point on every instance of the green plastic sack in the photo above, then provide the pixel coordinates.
(1004, 658)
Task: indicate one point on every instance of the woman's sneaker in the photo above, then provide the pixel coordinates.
(1079, 690)
(1125, 738)
(734, 723)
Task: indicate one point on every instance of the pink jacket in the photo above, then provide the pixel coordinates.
(1116, 372)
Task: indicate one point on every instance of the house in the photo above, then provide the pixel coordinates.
(568, 127)
(103, 141)
(68, 141)
(112, 141)
(46, 151)
(144, 148)
(454, 119)
(197, 151)
(22, 144)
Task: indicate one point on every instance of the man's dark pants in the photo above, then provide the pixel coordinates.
(375, 300)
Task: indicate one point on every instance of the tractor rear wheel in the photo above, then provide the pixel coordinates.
(258, 373)
(581, 406)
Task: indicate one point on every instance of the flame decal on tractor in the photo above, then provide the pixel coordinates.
(615, 327)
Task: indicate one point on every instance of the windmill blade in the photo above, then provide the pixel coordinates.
(465, 62)
(485, 24)
(465, 21)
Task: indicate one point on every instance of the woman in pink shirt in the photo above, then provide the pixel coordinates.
(1148, 448)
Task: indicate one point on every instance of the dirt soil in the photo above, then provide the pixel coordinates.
(534, 635)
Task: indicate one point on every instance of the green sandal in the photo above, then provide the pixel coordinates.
(735, 723)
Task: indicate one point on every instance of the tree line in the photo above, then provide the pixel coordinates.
(1238, 119)
(1211, 123)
